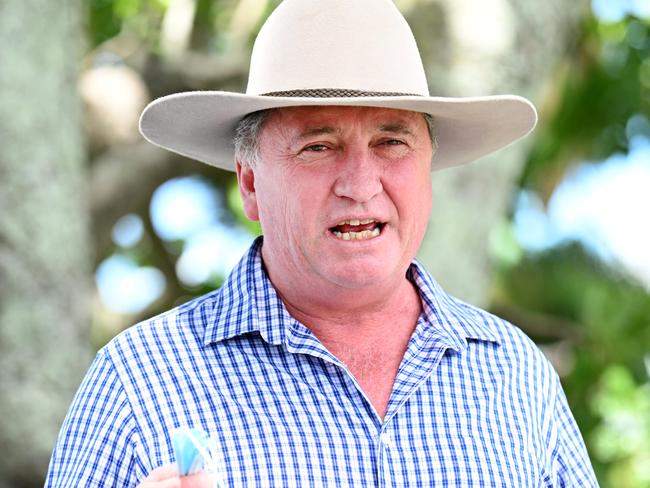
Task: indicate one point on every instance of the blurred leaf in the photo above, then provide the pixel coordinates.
(601, 91)
(623, 437)
(103, 23)
(126, 8)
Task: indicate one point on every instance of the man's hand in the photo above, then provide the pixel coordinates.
(167, 477)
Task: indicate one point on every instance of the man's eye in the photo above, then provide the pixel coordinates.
(393, 142)
(316, 148)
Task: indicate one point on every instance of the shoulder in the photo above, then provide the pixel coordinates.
(194, 323)
(508, 335)
(488, 340)
(181, 327)
(466, 320)
(510, 349)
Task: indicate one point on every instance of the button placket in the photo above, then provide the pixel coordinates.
(386, 440)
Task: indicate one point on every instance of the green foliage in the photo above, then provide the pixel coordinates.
(103, 23)
(108, 18)
(605, 83)
(205, 21)
(623, 437)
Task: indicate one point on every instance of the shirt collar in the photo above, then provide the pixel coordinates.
(247, 302)
(452, 318)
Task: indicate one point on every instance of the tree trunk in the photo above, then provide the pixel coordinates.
(483, 47)
(44, 255)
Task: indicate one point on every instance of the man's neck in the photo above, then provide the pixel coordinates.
(356, 317)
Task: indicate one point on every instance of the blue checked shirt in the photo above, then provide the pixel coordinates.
(475, 403)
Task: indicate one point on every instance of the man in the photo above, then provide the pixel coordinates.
(329, 357)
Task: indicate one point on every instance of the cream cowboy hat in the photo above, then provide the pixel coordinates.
(335, 52)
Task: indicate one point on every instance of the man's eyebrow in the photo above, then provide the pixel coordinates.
(390, 127)
(396, 128)
(317, 131)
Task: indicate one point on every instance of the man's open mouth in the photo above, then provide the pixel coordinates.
(350, 230)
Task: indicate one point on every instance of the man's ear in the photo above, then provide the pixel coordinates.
(246, 180)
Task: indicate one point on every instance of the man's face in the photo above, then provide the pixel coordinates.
(343, 194)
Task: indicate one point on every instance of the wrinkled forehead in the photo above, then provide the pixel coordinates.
(338, 118)
(309, 114)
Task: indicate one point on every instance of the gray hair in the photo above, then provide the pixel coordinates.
(247, 136)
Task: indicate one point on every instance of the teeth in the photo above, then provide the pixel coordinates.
(356, 222)
(357, 236)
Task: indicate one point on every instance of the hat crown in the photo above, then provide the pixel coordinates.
(361, 45)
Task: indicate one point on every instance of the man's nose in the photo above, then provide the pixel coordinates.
(359, 177)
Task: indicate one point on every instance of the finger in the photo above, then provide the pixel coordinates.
(162, 473)
(198, 480)
(168, 483)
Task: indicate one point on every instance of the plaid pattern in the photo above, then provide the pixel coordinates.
(475, 403)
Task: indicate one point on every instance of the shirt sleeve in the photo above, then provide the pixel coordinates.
(569, 464)
(99, 438)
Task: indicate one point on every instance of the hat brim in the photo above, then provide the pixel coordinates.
(201, 124)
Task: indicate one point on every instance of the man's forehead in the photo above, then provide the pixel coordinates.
(313, 120)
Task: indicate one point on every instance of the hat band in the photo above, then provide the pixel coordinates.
(335, 93)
